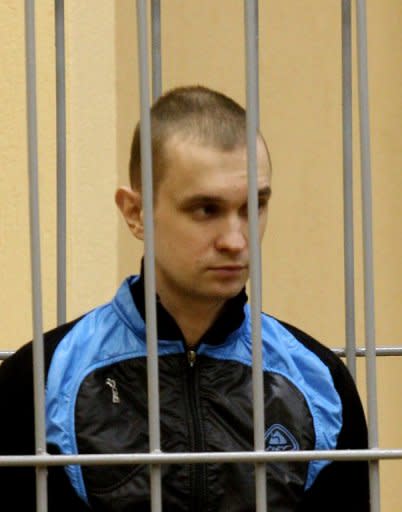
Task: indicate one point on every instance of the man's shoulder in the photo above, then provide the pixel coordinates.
(285, 330)
(338, 370)
(22, 358)
(20, 363)
(311, 343)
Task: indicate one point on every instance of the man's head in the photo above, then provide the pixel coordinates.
(200, 211)
(195, 114)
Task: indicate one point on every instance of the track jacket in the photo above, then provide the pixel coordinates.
(96, 402)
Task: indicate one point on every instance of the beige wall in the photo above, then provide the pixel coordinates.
(91, 142)
(301, 118)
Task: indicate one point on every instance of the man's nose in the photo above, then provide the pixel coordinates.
(233, 237)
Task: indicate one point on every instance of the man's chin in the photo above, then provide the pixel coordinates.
(225, 292)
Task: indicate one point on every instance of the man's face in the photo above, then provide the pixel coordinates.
(201, 225)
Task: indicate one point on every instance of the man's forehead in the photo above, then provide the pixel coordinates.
(182, 141)
(217, 185)
(196, 169)
(190, 153)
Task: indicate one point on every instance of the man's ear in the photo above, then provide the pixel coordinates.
(129, 203)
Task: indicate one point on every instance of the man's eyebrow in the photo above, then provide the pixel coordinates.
(265, 191)
(196, 199)
(201, 199)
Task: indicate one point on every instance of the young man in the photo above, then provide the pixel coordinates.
(96, 396)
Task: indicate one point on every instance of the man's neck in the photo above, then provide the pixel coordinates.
(193, 317)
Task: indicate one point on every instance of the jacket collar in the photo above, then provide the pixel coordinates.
(229, 320)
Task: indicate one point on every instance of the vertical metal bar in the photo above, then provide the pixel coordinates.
(150, 288)
(369, 320)
(156, 49)
(38, 351)
(61, 162)
(347, 137)
(251, 31)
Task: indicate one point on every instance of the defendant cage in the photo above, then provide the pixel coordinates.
(155, 458)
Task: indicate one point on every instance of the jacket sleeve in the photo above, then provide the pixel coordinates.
(17, 484)
(343, 485)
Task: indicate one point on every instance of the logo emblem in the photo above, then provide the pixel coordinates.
(279, 439)
(115, 392)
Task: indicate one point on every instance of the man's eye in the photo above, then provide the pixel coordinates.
(262, 203)
(209, 209)
(206, 211)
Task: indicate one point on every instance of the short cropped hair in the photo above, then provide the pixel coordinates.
(194, 113)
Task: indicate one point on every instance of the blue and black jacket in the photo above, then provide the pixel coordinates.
(96, 402)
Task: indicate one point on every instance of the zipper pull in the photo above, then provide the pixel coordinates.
(191, 357)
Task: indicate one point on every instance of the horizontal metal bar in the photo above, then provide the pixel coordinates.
(199, 457)
(380, 351)
(360, 352)
(5, 354)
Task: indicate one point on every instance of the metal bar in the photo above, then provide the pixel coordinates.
(6, 354)
(61, 162)
(369, 311)
(156, 49)
(341, 352)
(380, 351)
(347, 139)
(251, 33)
(199, 457)
(38, 350)
(149, 261)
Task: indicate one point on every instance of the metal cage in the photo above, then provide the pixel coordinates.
(259, 457)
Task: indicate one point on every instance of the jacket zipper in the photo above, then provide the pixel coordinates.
(197, 471)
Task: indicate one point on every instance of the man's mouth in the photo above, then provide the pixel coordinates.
(229, 269)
